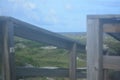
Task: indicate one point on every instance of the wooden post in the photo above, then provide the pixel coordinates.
(8, 65)
(94, 49)
(106, 76)
(1, 49)
(5, 54)
(72, 67)
(11, 50)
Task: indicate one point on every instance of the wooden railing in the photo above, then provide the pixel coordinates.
(10, 27)
(23, 72)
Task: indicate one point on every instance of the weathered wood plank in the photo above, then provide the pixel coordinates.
(106, 74)
(72, 64)
(111, 28)
(35, 35)
(31, 32)
(11, 50)
(23, 72)
(8, 68)
(111, 62)
(5, 55)
(94, 50)
(1, 47)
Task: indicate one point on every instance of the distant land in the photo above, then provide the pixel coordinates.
(73, 33)
(78, 34)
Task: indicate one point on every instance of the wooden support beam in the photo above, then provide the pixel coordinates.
(111, 28)
(94, 50)
(1, 48)
(27, 32)
(72, 66)
(106, 74)
(8, 72)
(34, 33)
(24, 72)
(5, 54)
(31, 32)
(11, 50)
(111, 62)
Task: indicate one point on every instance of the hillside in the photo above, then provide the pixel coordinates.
(80, 36)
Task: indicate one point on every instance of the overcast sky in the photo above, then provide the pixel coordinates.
(58, 15)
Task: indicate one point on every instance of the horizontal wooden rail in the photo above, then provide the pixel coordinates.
(34, 33)
(23, 72)
(111, 62)
(111, 28)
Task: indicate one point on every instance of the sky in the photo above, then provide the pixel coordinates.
(58, 15)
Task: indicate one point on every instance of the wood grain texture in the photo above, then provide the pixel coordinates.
(94, 50)
(111, 62)
(72, 66)
(47, 72)
(5, 55)
(111, 28)
(11, 50)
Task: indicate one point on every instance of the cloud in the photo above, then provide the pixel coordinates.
(51, 19)
(28, 11)
(30, 5)
(23, 4)
(68, 6)
(24, 8)
(52, 11)
(52, 16)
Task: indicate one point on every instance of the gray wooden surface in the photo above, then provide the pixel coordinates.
(1, 47)
(111, 62)
(94, 50)
(35, 33)
(23, 72)
(11, 50)
(72, 64)
(5, 54)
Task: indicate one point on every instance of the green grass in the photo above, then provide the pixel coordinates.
(30, 52)
(40, 57)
